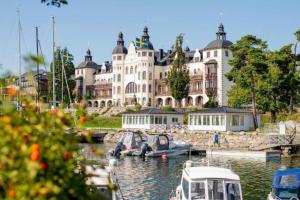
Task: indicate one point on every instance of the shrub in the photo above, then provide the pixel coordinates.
(168, 108)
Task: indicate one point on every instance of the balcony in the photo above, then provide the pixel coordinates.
(103, 86)
(211, 76)
(196, 77)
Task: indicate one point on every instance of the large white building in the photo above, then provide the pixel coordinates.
(138, 75)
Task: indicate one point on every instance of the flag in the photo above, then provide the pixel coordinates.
(139, 43)
(69, 57)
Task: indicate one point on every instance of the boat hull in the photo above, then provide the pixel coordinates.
(173, 152)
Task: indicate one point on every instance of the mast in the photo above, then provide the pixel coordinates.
(37, 64)
(19, 52)
(53, 66)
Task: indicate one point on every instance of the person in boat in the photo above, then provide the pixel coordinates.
(216, 138)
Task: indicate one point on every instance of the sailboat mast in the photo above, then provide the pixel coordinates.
(37, 64)
(53, 65)
(19, 51)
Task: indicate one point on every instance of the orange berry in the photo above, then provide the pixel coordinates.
(82, 119)
(35, 147)
(12, 193)
(54, 112)
(35, 155)
(11, 91)
(43, 166)
(67, 155)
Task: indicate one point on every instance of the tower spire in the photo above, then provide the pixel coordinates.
(221, 34)
(88, 56)
(120, 40)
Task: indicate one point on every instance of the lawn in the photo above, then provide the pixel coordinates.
(104, 122)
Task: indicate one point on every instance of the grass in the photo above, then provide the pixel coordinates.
(104, 122)
(266, 118)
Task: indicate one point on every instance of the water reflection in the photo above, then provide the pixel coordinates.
(156, 178)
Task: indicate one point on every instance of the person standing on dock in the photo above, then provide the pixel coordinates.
(216, 138)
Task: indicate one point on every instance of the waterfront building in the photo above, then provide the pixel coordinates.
(151, 118)
(138, 75)
(221, 119)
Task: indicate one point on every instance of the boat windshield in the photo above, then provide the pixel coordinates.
(198, 191)
(287, 193)
(233, 191)
(215, 189)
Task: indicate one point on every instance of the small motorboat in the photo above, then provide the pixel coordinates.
(129, 143)
(200, 181)
(286, 185)
(158, 145)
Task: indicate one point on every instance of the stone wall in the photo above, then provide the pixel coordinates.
(204, 140)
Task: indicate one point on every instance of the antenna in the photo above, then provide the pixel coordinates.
(53, 64)
(37, 65)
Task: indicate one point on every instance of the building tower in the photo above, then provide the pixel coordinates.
(118, 58)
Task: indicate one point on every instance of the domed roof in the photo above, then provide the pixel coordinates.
(146, 39)
(218, 44)
(88, 64)
(120, 48)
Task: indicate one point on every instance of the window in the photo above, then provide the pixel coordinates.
(119, 77)
(208, 54)
(242, 121)
(151, 119)
(215, 189)
(131, 70)
(226, 53)
(119, 58)
(150, 76)
(139, 54)
(131, 88)
(160, 75)
(114, 90)
(139, 75)
(149, 102)
(199, 120)
(235, 120)
(149, 88)
(144, 75)
(233, 191)
(144, 88)
(165, 120)
(135, 69)
(114, 57)
(222, 120)
(77, 71)
(114, 78)
(174, 120)
(197, 59)
(191, 120)
(206, 120)
(126, 70)
(198, 190)
(215, 53)
(150, 54)
(144, 53)
(185, 188)
(81, 71)
(139, 88)
(119, 90)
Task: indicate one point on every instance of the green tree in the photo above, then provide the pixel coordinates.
(248, 66)
(178, 77)
(294, 78)
(69, 70)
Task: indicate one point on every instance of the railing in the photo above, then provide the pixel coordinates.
(196, 77)
(211, 76)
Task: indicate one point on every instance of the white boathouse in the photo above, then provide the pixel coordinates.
(221, 119)
(151, 118)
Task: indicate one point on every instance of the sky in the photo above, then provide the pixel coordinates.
(95, 24)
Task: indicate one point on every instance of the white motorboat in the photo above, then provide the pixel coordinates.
(200, 181)
(162, 145)
(129, 143)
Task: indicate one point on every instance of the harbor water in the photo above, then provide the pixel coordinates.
(157, 178)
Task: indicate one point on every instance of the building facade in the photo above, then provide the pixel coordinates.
(138, 75)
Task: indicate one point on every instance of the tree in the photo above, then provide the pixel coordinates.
(69, 69)
(248, 66)
(178, 77)
(57, 3)
(293, 76)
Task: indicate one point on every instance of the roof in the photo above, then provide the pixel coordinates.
(223, 109)
(210, 172)
(153, 111)
(88, 64)
(218, 44)
(120, 49)
(279, 182)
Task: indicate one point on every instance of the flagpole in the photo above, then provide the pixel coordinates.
(53, 66)
(37, 65)
(62, 77)
(19, 53)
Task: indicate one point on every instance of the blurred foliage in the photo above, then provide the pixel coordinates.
(168, 108)
(103, 122)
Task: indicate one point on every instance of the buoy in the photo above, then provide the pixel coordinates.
(164, 156)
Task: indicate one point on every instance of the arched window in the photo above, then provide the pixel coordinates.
(139, 76)
(149, 88)
(131, 88)
(131, 70)
(139, 87)
(135, 70)
(144, 75)
(144, 88)
(126, 70)
(114, 90)
(119, 90)
(150, 76)
(119, 77)
(114, 77)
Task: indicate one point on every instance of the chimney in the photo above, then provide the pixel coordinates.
(161, 54)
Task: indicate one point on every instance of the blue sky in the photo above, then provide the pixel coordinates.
(96, 24)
